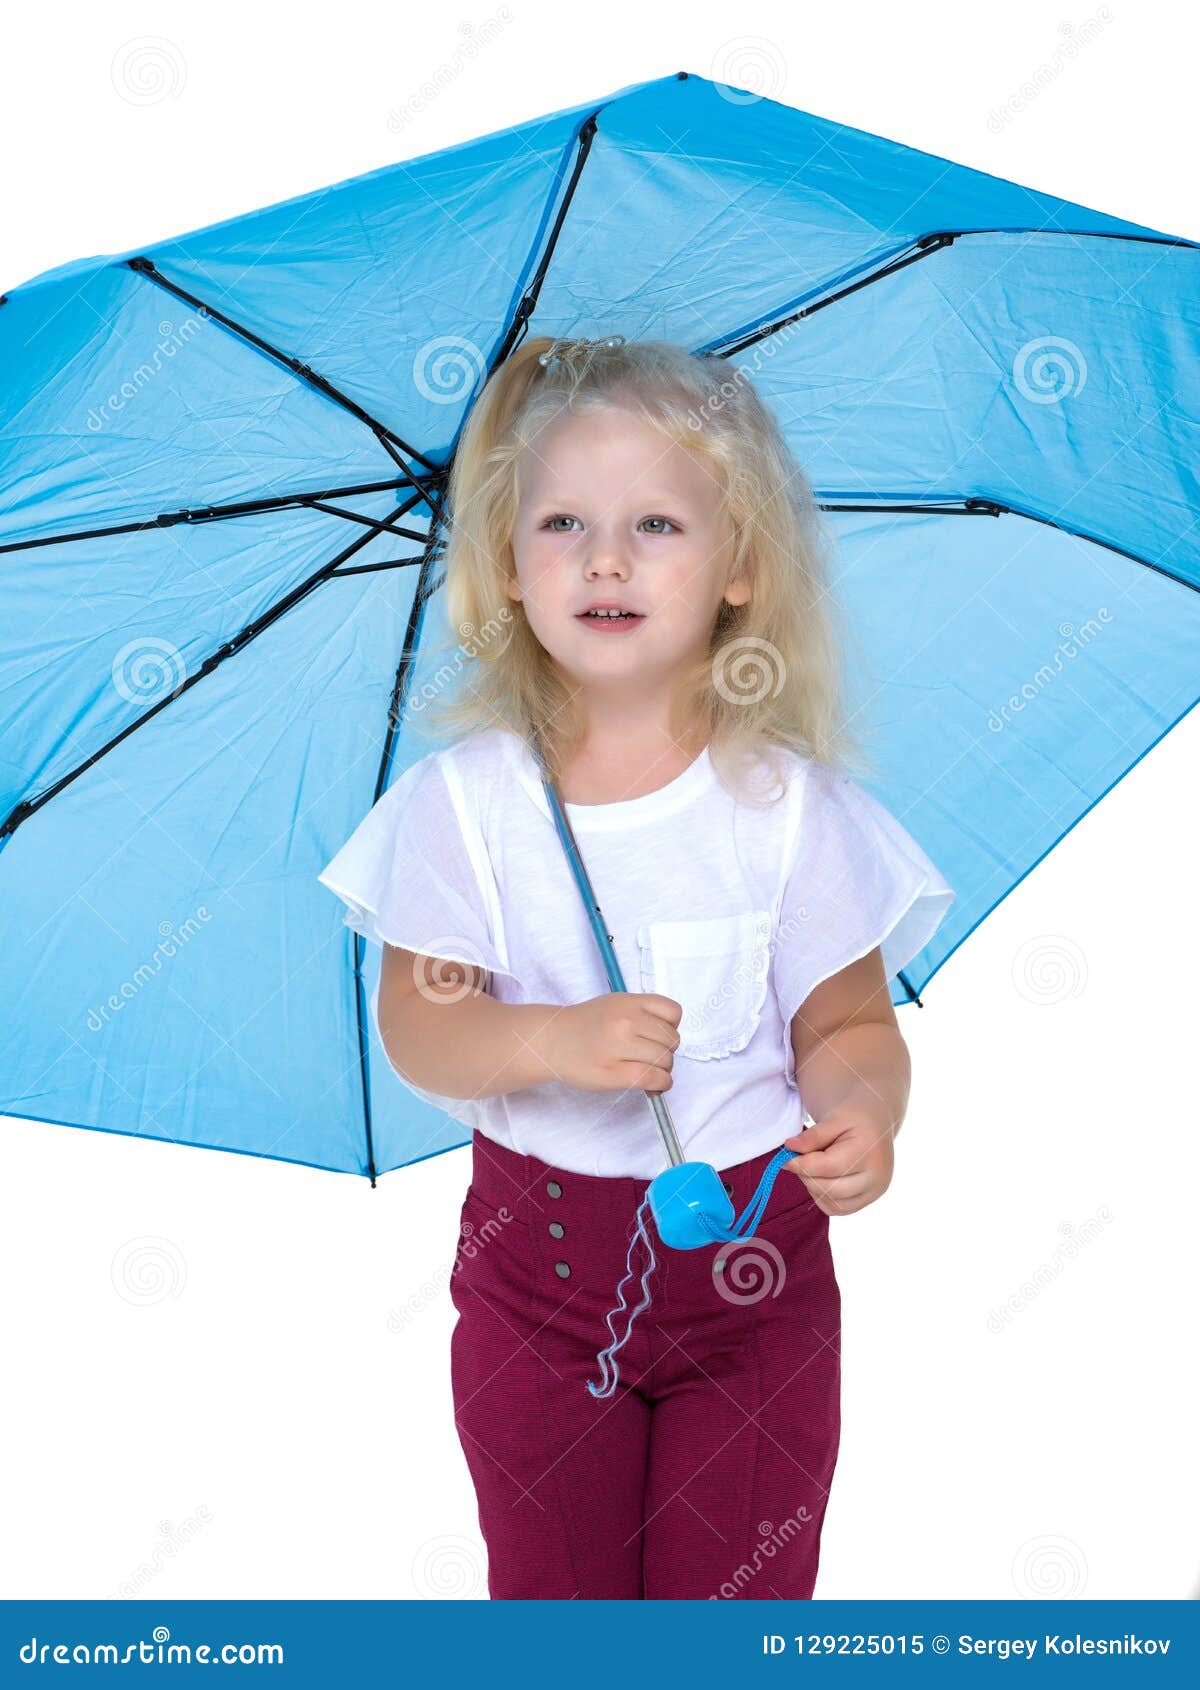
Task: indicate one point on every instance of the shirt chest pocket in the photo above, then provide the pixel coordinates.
(716, 970)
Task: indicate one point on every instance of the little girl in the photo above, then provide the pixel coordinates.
(629, 521)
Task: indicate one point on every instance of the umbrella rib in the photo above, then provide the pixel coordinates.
(923, 247)
(27, 807)
(385, 436)
(395, 706)
(516, 328)
(996, 507)
(220, 513)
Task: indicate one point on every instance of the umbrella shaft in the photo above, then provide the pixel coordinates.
(612, 968)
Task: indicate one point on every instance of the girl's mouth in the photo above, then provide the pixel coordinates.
(605, 622)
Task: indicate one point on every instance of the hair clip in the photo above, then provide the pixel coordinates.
(563, 351)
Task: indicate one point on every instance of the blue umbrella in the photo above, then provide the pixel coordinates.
(224, 465)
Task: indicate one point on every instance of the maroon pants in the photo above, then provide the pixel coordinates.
(706, 1473)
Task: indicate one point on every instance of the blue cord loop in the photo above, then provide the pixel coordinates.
(743, 1227)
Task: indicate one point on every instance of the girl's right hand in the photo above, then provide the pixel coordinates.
(618, 1042)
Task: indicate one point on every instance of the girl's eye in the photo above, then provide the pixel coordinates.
(550, 523)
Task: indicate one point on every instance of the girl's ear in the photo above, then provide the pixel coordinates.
(738, 591)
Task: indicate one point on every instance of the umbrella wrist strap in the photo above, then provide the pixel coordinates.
(743, 1227)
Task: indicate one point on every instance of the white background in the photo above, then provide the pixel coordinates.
(263, 1428)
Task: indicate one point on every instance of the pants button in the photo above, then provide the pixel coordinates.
(556, 1229)
(553, 1188)
(563, 1270)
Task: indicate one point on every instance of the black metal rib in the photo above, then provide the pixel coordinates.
(951, 507)
(912, 254)
(529, 299)
(998, 508)
(924, 247)
(241, 507)
(995, 507)
(147, 267)
(27, 807)
(370, 568)
(395, 707)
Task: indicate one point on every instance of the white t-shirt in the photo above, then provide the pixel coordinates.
(736, 912)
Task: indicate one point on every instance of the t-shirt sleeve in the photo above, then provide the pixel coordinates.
(855, 878)
(412, 875)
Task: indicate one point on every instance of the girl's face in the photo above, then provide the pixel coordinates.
(612, 513)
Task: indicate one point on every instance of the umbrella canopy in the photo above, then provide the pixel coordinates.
(224, 459)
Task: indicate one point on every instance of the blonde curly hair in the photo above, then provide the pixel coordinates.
(772, 674)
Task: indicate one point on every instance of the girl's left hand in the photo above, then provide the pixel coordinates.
(846, 1160)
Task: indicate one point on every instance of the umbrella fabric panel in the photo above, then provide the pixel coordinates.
(163, 932)
(121, 403)
(1004, 676)
(1011, 368)
(120, 621)
(700, 215)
